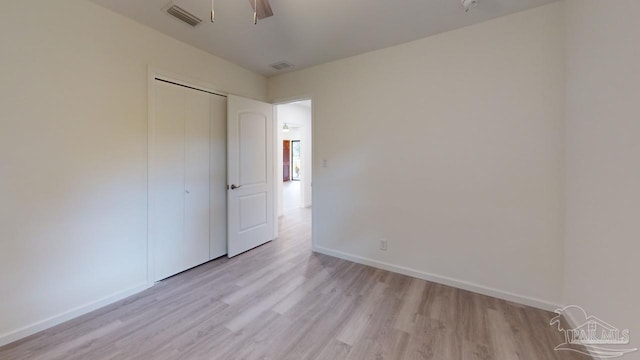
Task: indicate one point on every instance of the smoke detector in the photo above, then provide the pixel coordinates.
(469, 4)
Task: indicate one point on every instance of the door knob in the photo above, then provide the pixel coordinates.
(233, 186)
(188, 191)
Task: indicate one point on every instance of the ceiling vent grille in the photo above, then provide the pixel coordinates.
(282, 65)
(183, 15)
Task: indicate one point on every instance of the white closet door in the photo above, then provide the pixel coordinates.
(218, 232)
(179, 211)
(197, 173)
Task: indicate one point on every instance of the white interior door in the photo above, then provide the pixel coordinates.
(180, 188)
(250, 174)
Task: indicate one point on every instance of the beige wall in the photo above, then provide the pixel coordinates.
(73, 153)
(603, 161)
(450, 148)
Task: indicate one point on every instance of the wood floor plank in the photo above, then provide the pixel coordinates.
(335, 349)
(407, 315)
(281, 301)
(359, 321)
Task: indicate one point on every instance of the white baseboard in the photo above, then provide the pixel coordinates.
(460, 284)
(29, 330)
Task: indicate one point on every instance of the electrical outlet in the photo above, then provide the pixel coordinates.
(383, 245)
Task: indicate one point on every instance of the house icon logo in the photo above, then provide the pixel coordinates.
(592, 337)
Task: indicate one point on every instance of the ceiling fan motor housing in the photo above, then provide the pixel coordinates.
(469, 4)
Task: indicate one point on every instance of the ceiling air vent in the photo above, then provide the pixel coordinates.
(184, 15)
(282, 65)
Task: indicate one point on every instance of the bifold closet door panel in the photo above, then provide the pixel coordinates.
(167, 187)
(179, 186)
(218, 245)
(197, 174)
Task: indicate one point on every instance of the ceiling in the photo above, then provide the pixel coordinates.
(306, 32)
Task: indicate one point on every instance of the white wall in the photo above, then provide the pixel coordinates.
(449, 147)
(299, 116)
(73, 153)
(603, 161)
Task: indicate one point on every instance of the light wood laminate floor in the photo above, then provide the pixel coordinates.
(281, 301)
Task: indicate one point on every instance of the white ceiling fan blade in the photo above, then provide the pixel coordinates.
(264, 8)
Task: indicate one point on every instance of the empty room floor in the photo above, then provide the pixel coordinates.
(281, 301)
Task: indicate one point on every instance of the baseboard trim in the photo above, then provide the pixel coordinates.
(460, 284)
(29, 330)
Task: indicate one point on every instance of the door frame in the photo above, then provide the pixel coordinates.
(289, 154)
(314, 197)
(154, 73)
(291, 168)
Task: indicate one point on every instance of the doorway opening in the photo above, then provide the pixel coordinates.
(294, 178)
